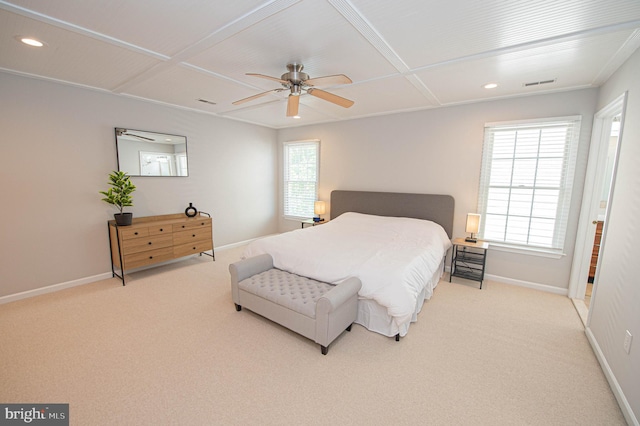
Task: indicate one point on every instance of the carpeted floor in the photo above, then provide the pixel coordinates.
(169, 348)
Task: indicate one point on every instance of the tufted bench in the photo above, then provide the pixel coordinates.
(314, 309)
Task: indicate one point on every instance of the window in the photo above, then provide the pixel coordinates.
(526, 181)
(300, 174)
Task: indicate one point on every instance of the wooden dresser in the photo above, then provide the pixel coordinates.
(153, 239)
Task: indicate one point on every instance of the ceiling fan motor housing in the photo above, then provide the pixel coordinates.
(295, 76)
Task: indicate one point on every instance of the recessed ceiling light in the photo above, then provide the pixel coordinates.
(30, 41)
(490, 85)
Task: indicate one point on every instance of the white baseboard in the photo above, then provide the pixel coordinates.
(529, 284)
(521, 283)
(611, 378)
(53, 288)
(87, 280)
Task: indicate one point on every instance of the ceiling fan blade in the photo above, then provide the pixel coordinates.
(268, 78)
(329, 80)
(259, 95)
(338, 100)
(292, 105)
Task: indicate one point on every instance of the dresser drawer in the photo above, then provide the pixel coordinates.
(149, 257)
(131, 232)
(201, 222)
(193, 234)
(194, 247)
(167, 228)
(151, 242)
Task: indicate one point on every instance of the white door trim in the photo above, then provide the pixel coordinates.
(594, 178)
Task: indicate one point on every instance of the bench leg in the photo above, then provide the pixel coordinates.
(238, 307)
(349, 328)
(398, 337)
(324, 349)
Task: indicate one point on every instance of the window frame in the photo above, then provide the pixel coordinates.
(286, 146)
(565, 187)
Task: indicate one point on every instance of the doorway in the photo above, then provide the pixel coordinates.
(599, 181)
(603, 205)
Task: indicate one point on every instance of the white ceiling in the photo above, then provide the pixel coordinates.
(401, 55)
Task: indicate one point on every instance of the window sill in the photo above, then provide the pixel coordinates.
(297, 218)
(529, 251)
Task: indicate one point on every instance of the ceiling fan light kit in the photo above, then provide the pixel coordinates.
(298, 82)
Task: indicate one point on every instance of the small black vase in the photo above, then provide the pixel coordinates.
(123, 219)
(191, 211)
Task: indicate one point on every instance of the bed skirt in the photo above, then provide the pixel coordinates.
(374, 317)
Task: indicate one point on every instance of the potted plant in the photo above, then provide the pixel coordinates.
(120, 196)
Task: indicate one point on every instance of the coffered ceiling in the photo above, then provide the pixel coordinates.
(401, 55)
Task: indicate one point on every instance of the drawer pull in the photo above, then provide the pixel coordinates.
(149, 242)
(194, 248)
(193, 235)
(183, 226)
(161, 229)
(135, 233)
(150, 257)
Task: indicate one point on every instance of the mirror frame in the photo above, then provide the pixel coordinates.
(150, 143)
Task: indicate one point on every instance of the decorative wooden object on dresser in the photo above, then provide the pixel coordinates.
(153, 239)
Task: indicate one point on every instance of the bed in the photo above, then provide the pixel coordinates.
(395, 243)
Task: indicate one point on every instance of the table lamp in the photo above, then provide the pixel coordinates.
(319, 208)
(473, 225)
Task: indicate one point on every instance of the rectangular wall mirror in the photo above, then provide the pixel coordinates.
(143, 153)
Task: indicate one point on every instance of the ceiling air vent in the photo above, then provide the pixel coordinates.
(538, 83)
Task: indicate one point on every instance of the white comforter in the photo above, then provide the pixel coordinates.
(394, 258)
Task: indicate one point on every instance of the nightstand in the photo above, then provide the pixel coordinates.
(312, 222)
(468, 260)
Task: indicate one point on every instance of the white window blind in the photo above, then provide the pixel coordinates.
(526, 182)
(301, 170)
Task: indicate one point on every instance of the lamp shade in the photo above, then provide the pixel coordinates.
(473, 223)
(319, 207)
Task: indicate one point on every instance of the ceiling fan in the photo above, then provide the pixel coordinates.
(296, 82)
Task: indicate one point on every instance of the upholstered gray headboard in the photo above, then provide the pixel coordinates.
(437, 208)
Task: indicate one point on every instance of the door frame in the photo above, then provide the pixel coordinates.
(596, 169)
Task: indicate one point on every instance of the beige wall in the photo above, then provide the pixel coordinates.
(439, 151)
(60, 139)
(616, 302)
(58, 146)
